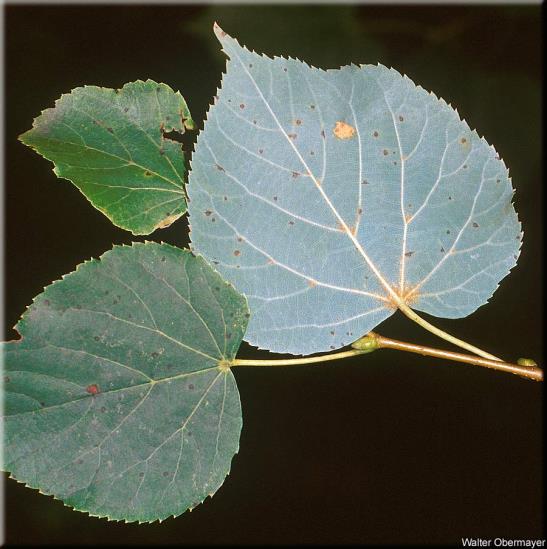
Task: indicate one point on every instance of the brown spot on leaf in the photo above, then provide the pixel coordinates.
(295, 175)
(409, 254)
(386, 152)
(375, 134)
(298, 122)
(219, 167)
(475, 224)
(93, 389)
(237, 252)
(342, 130)
(207, 212)
(312, 283)
(401, 119)
(242, 106)
(292, 136)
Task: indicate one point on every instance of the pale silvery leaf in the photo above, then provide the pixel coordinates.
(326, 195)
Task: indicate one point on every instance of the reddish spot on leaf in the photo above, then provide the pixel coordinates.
(93, 389)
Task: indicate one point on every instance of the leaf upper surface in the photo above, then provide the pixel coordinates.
(115, 401)
(111, 145)
(325, 196)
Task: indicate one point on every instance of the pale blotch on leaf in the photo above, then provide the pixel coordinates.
(169, 220)
(342, 130)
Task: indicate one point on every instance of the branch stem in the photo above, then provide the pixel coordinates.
(373, 341)
(530, 372)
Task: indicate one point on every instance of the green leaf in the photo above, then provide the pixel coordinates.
(118, 396)
(329, 197)
(111, 144)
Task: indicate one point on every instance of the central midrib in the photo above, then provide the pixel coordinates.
(394, 295)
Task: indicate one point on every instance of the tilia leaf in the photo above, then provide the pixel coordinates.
(326, 196)
(117, 396)
(111, 144)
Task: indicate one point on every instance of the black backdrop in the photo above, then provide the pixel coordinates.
(389, 448)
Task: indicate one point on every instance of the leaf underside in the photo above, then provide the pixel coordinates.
(115, 401)
(321, 195)
(111, 145)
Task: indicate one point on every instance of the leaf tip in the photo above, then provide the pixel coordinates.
(220, 34)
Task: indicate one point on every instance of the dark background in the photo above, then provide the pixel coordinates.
(389, 448)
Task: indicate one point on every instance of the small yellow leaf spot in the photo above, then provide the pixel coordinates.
(343, 130)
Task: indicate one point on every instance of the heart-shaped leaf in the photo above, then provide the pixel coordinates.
(118, 396)
(111, 144)
(329, 197)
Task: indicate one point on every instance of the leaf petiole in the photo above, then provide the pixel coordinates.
(298, 361)
(409, 313)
